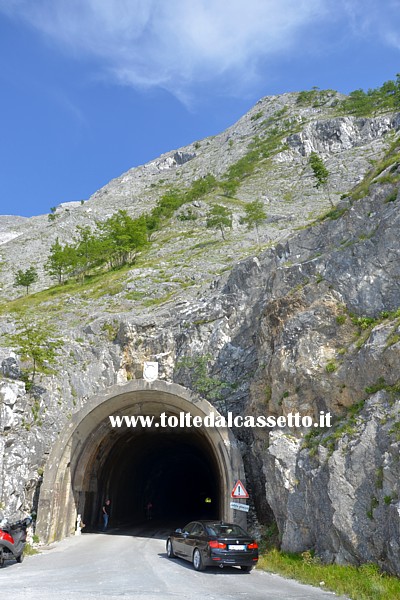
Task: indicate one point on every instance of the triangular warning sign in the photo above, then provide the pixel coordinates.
(239, 491)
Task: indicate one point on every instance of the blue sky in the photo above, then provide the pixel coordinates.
(91, 88)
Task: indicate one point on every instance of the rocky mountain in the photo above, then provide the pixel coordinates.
(304, 318)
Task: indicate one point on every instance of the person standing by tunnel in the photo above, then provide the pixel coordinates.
(106, 513)
(149, 510)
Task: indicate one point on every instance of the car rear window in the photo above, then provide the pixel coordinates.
(198, 530)
(225, 530)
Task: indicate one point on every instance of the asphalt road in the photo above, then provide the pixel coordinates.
(122, 565)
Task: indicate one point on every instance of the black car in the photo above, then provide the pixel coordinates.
(213, 543)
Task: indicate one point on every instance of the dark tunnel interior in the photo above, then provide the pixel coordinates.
(174, 471)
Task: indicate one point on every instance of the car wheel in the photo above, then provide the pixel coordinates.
(246, 569)
(170, 549)
(197, 560)
(1, 557)
(19, 558)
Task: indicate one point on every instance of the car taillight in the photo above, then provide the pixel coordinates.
(215, 544)
(252, 546)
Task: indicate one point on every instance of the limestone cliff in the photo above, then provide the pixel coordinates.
(305, 320)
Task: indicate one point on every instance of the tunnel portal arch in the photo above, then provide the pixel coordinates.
(90, 460)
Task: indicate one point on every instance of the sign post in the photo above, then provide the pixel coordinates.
(239, 491)
(238, 506)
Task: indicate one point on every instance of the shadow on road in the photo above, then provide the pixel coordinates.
(180, 562)
(8, 563)
(156, 529)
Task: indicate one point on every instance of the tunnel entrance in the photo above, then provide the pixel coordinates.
(174, 471)
(185, 473)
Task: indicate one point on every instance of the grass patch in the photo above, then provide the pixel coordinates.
(111, 330)
(52, 300)
(393, 338)
(395, 431)
(260, 148)
(331, 367)
(207, 244)
(374, 503)
(134, 295)
(256, 116)
(157, 301)
(333, 214)
(391, 159)
(328, 437)
(30, 550)
(381, 384)
(359, 583)
(366, 324)
(347, 425)
(314, 97)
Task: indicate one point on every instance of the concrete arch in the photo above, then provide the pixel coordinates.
(70, 481)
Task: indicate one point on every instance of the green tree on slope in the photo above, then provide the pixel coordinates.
(219, 217)
(37, 345)
(26, 278)
(254, 216)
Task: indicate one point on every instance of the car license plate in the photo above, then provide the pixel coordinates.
(237, 547)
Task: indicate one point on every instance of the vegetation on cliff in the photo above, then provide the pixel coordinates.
(366, 582)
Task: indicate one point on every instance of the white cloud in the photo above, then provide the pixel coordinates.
(178, 43)
(170, 43)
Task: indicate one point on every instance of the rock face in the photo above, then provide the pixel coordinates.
(308, 323)
(344, 503)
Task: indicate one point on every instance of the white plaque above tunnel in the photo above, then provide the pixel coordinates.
(150, 371)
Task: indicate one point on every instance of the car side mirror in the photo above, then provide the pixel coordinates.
(178, 530)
